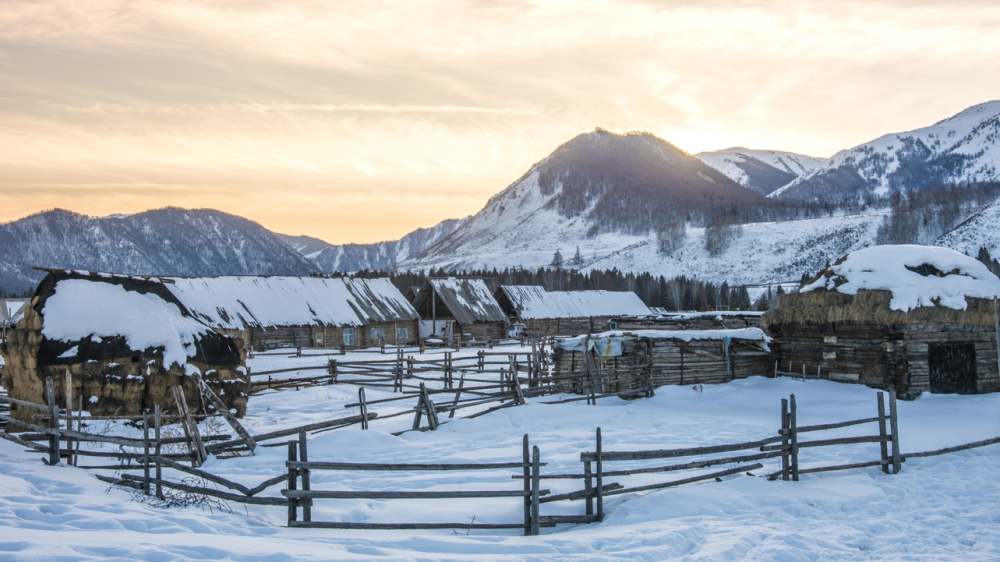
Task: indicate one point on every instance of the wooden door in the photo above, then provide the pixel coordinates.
(952, 367)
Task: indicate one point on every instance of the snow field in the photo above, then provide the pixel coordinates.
(937, 508)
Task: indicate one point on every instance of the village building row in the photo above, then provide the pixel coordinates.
(308, 312)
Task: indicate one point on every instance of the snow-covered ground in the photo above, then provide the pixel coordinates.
(938, 508)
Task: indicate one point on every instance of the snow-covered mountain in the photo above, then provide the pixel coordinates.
(168, 241)
(763, 171)
(963, 148)
(599, 189)
(330, 258)
(978, 231)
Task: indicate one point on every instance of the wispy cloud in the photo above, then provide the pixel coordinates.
(336, 102)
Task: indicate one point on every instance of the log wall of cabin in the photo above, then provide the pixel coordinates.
(332, 336)
(919, 336)
(482, 331)
(874, 355)
(538, 327)
(883, 357)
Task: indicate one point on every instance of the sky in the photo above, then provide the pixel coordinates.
(359, 121)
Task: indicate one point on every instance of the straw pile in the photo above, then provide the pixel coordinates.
(111, 386)
(868, 307)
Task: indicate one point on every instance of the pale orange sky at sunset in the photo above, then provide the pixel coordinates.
(361, 121)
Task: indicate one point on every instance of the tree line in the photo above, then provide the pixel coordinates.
(679, 293)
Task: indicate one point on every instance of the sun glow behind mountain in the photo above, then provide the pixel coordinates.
(357, 122)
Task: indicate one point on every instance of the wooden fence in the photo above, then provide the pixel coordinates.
(149, 458)
(397, 373)
(299, 469)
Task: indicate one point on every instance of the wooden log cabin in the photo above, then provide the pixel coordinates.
(634, 360)
(911, 319)
(308, 312)
(566, 313)
(453, 308)
(123, 342)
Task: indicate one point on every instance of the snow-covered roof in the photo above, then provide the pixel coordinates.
(232, 302)
(718, 314)
(917, 276)
(748, 334)
(534, 302)
(87, 317)
(469, 300)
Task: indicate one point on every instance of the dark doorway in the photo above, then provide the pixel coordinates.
(953, 368)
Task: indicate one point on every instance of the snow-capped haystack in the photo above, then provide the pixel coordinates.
(916, 276)
(894, 285)
(125, 341)
(906, 318)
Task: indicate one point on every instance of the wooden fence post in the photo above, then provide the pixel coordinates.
(527, 486)
(79, 416)
(331, 367)
(458, 395)
(364, 408)
(50, 396)
(533, 367)
(482, 360)
(293, 513)
(196, 447)
(68, 387)
(588, 486)
(535, 485)
(599, 465)
(304, 457)
(145, 448)
(897, 462)
(432, 419)
(784, 440)
(882, 433)
(794, 434)
(447, 371)
(159, 470)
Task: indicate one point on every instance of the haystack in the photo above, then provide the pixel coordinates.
(906, 318)
(125, 341)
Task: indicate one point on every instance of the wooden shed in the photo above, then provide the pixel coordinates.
(460, 308)
(125, 341)
(907, 318)
(566, 313)
(629, 360)
(317, 312)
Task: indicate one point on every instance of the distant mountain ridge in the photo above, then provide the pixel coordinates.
(183, 242)
(964, 148)
(344, 258)
(598, 184)
(763, 171)
(169, 241)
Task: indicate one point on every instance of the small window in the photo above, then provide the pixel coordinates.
(378, 334)
(400, 335)
(348, 336)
